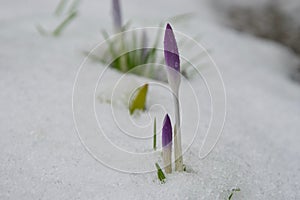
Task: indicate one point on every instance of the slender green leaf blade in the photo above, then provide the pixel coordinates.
(60, 7)
(160, 174)
(232, 192)
(154, 135)
(74, 6)
(64, 24)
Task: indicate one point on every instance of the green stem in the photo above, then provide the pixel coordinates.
(154, 135)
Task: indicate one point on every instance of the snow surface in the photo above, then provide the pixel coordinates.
(43, 158)
(290, 8)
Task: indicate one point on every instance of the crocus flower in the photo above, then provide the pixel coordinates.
(171, 49)
(172, 59)
(173, 73)
(117, 17)
(167, 144)
(166, 132)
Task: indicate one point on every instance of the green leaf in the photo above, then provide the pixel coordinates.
(60, 7)
(74, 6)
(232, 192)
(139, 99)
(160, 174)
(64, 24)
(154, 135)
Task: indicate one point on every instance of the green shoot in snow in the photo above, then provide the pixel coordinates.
(160, 174)
(154, 135)
(58, 30)
(232, 192)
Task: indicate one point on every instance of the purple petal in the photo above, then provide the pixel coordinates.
(117, 14)
(166, 131)
(170, 49)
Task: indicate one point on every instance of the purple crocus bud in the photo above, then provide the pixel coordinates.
(171, 49)
(167, 144)
(166, 131)
(117, 17)
(172, 59)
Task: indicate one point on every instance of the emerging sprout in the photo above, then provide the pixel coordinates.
(160, 174)
(167, 144)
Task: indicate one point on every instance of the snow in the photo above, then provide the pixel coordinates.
(290, 8)
(42, 156)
